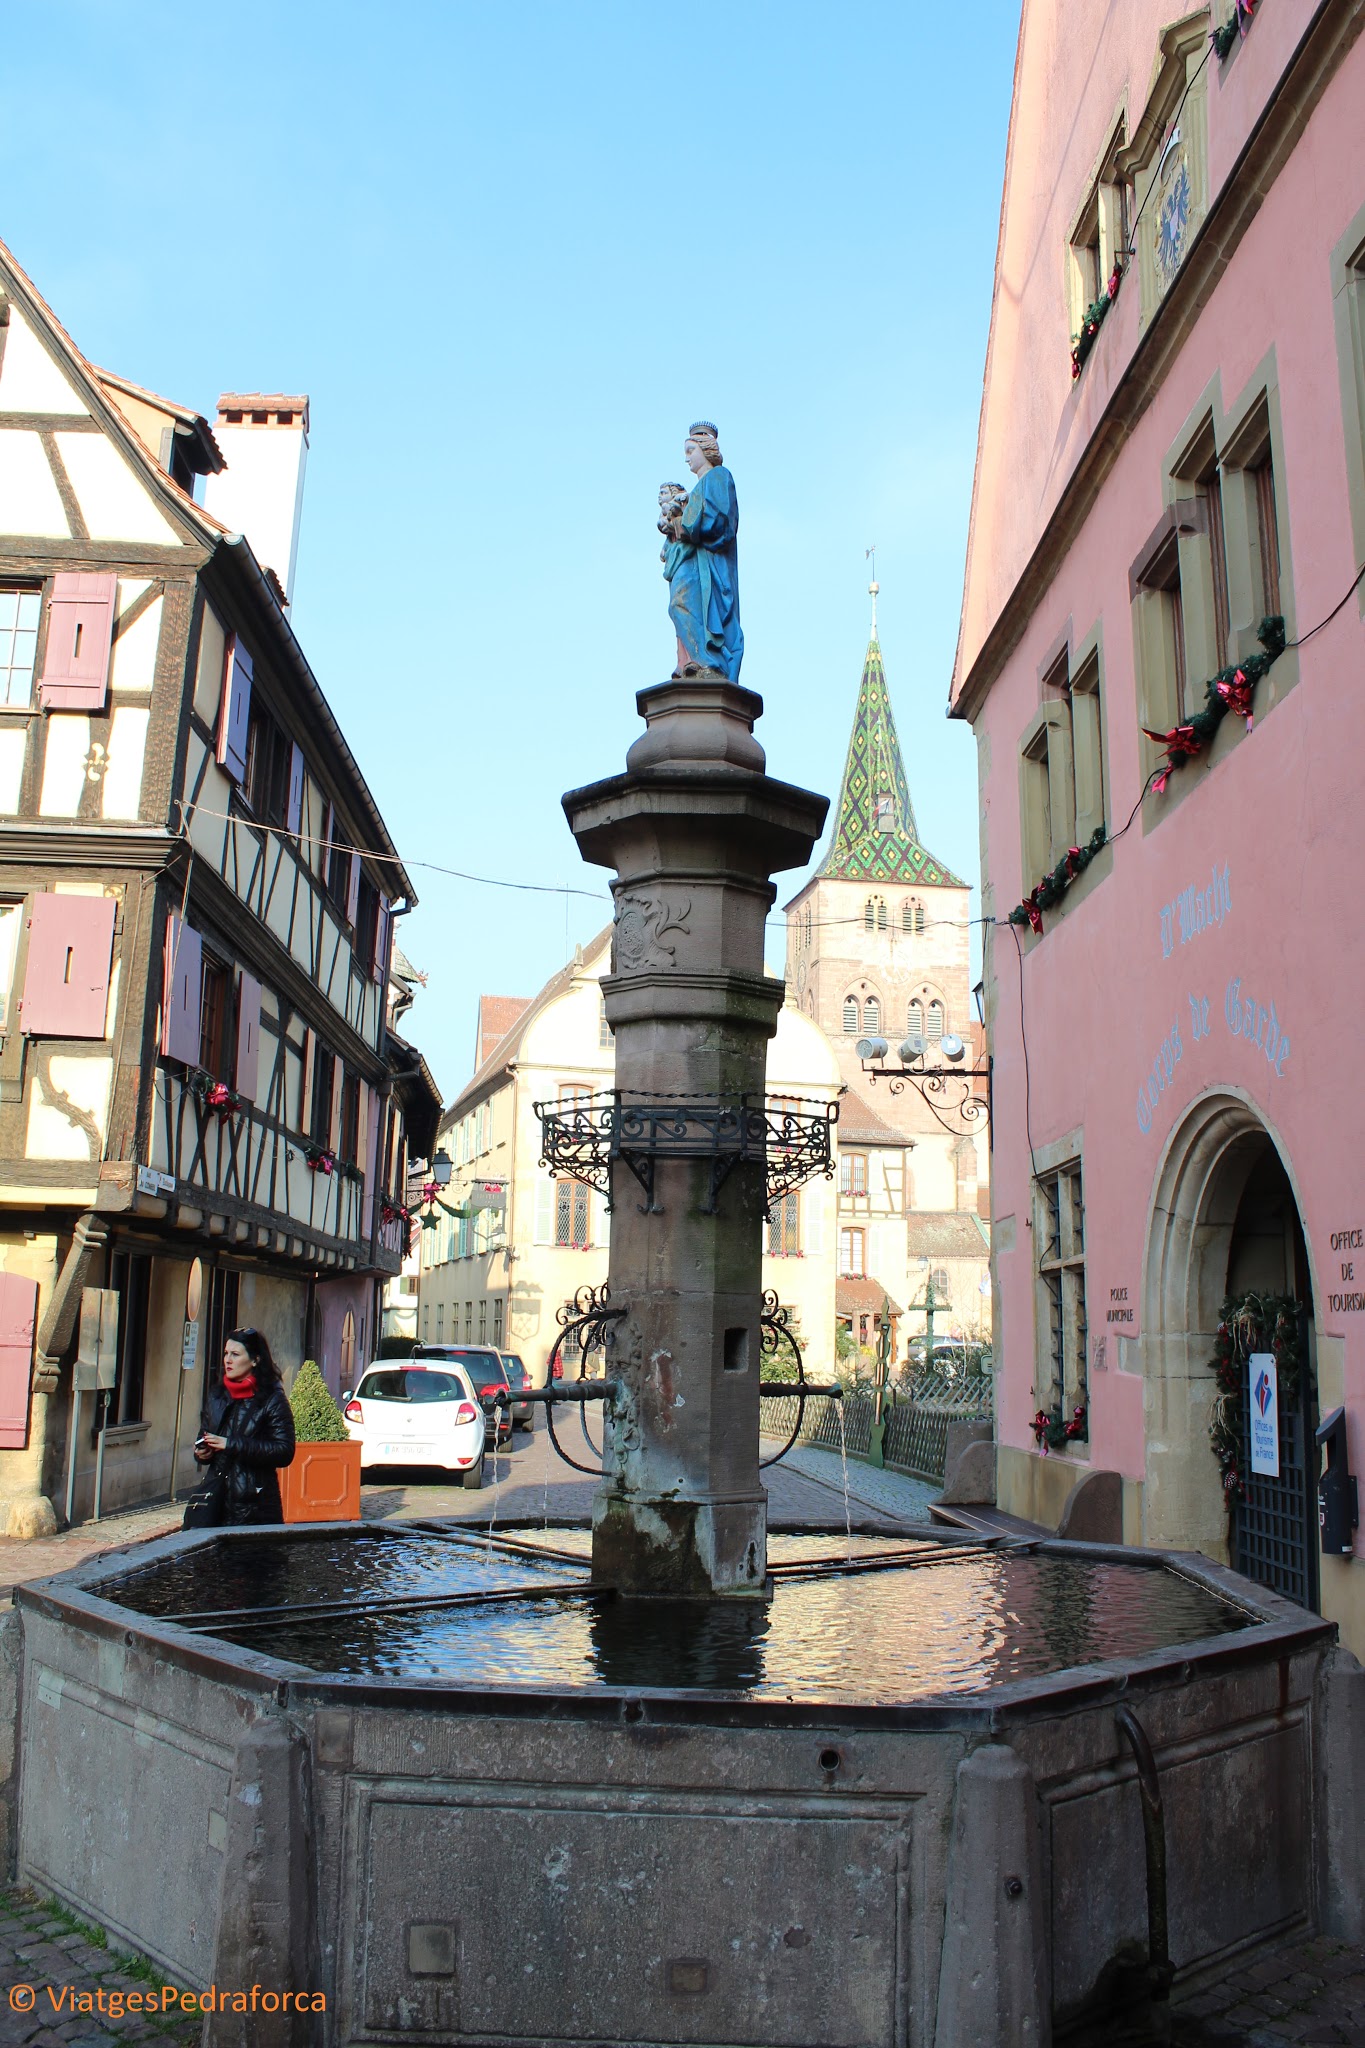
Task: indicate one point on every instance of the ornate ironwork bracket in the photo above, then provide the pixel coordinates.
(777, 1334)
(792, 1138)
(941, 1089)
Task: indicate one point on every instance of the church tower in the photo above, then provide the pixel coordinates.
(877, 940)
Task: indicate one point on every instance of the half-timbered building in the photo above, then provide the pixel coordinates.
(198, 1057)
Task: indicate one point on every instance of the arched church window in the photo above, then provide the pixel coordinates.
(936, 1023)
(912, 915)
(872, 1018)
(874, 913)
(851, 1016)
(914, 1019)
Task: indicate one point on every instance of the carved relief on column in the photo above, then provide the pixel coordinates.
(642, 919)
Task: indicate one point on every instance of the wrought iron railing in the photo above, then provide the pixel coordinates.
(792, 1139)
(915, 1438)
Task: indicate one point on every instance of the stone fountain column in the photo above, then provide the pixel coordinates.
(694, 829)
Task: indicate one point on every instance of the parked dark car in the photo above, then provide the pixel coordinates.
(523, 1412)
(485, 1368)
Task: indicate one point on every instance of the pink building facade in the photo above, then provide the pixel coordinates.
(1174, 1018)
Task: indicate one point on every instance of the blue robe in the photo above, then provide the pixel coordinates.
(703, 576)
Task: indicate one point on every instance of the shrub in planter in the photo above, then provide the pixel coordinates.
(323, 1482)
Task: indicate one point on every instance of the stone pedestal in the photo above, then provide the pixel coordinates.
(694, 830)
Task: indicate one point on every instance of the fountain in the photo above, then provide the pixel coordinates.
(682, 1779)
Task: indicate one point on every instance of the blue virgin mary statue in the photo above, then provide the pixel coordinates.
(701, 560)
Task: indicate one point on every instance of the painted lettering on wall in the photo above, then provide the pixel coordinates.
(1118, 1310)
(1155, 1083)
(1253, 1021)
(1349, 1303)
(1195, 910)
(1199, 1017)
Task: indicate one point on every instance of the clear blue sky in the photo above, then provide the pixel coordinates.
(511, 252)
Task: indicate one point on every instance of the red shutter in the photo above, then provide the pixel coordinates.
(294, 818)
(246, 1070)
(18, 1314)
(235, 715)
(379, 966)
(353, 891)
(182, 987)
(370, 1106)
(66, 981)
(80, 631)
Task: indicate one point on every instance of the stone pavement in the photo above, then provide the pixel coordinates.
(1312, 1992)
(44, 1555)
(45, 1951)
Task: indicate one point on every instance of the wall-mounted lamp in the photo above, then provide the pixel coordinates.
(441, 1168)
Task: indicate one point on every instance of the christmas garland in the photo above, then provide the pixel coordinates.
(1247, 1323)
(1093, 319)
(1232, 689)
(1233, 28)
(1053, 887)
(1051, 1433)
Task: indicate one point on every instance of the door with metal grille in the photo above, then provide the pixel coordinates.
(1275, 1528)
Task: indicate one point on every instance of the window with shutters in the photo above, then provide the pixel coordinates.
(912, 916)
(18, 1317)
(469, 1322)
(943, 1293)
(571, 1214)
(336, 872)
(269, 765)
(1063, 1325)
(234, 714)
(130, 1274)
(366, 924)
(483, 1322)
(851, 1014)
(440, 1322)
(1159, 606)
(851, 1255)
(784, 1227)
(497, 1320)
(320, 1108)
(604, 1030)
(21, 614)
(934, 1023)
(349, 1144)
(853, 1173)
(11, 923)
(80, 627)
(872, 1017)
(214, 986)
(66, 974)
(874, 913)
(914, 1020)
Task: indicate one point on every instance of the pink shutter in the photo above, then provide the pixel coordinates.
(294, 817)
(66, 981)
(353, 891)
(370, 1106)
(18, 1315)
(379, 966)
(234, 718)
(182, 988)
(80, 631)
(246, 1070)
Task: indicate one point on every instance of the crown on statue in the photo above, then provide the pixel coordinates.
(705, 427)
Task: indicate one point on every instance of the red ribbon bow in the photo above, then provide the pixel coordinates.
(1180, 742)
(1034, 909)
(1238, 694)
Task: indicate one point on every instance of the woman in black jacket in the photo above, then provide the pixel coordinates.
(250, 1434)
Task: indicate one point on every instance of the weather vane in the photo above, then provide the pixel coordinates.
(870, 555)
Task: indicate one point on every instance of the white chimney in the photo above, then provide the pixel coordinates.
(259, 492)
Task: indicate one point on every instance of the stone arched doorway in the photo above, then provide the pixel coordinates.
(1225, 1219)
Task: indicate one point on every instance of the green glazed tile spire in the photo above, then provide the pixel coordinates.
(875, 835)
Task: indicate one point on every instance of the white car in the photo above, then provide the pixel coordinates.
(418, 1414)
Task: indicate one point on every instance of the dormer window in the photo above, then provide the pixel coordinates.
(885, 814)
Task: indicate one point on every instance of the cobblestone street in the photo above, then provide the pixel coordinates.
(45, 1952)
(1311, 1992)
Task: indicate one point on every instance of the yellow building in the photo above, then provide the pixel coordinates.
(525, 1243)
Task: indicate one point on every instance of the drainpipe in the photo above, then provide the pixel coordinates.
(1159, 1967)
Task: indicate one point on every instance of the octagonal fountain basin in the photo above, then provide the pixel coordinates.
(436, 1776)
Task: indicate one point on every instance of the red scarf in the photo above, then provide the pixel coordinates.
(241, 1390)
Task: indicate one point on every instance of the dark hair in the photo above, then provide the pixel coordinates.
(258, 1351)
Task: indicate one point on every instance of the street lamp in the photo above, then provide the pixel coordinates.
(441, 1168)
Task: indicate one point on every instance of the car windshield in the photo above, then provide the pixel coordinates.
(483, 1367)
(516, 1372)
(436, 1386)
(414, 1385)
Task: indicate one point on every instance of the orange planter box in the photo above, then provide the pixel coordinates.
(322, 1484)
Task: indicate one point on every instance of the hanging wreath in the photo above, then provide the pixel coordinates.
(1053, 887)
(1233, 28)
(1052, 1433)
(1092, 321)
(1231, 689)
(1247, 1323)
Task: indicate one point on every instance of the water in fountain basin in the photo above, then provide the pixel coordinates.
(843, 1462)
(944, 1624)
